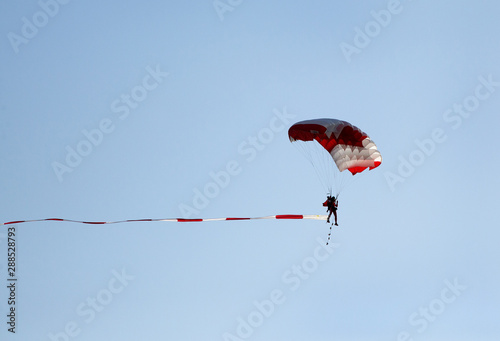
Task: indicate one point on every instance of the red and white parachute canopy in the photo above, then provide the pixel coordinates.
(333, 146)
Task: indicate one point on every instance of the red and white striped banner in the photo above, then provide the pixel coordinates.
(175, 220)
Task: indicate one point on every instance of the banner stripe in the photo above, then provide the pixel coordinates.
(179, 220)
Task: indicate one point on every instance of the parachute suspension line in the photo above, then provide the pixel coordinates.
(332, 180)
(320, 160)
(325, 167)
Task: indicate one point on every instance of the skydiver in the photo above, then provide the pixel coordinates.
(331, 206)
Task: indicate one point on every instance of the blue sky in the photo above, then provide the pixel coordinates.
(125, 110)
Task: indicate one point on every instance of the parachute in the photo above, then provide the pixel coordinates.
(334, 146)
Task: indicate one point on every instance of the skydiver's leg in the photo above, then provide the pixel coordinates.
(335, 214)
(329, 215)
